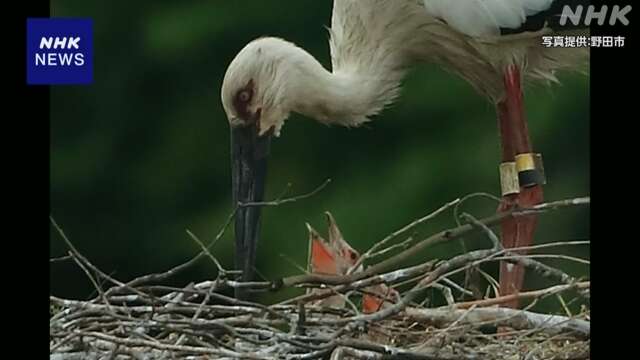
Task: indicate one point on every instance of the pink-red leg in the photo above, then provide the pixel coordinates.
(516, 232)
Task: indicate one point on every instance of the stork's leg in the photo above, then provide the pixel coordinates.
(516, 232)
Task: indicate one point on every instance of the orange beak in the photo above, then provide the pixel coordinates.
(383, 295)
(371, 304)
(322, 261)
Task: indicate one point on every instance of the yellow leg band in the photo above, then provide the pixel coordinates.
(525, 162)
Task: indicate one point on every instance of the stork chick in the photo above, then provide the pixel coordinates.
(333, 257)
(337, 257)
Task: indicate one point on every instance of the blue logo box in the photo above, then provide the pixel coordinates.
(59, 51)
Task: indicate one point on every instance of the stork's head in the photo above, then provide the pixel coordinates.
(265, 82)
(253, 102)
(257, 85)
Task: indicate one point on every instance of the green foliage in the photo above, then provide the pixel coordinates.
(143, 154)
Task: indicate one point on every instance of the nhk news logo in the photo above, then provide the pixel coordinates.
(59, 51)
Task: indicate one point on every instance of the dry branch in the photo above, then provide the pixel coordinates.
(513, 318)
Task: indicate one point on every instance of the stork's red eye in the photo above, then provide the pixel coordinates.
(353, 255)
(244, 96)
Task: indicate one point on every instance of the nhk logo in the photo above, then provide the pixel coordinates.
(586, 15)
(62, 59)
(59, 51)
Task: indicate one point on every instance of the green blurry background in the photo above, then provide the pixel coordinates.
(143, 153)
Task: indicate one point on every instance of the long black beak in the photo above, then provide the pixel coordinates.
(249, 169)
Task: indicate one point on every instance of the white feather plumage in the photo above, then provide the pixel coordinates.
(374, 42)
(484, 17)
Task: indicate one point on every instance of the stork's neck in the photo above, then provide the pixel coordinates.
(328, 98)
(346, 98)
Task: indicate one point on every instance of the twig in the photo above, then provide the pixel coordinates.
(81, 261)
(523, 295)
(471, 196)
(490, 234)
(206, 251)
(457, 287)
(441, 237)
(404, 229)
(177, 269)
(279, 201)
(61, 259)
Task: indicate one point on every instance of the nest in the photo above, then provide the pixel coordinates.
(145, 319)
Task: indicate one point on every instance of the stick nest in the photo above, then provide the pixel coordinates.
(145, 319)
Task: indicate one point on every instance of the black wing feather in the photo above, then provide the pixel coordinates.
(551, 18)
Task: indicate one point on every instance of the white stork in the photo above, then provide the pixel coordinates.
(494, 44)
